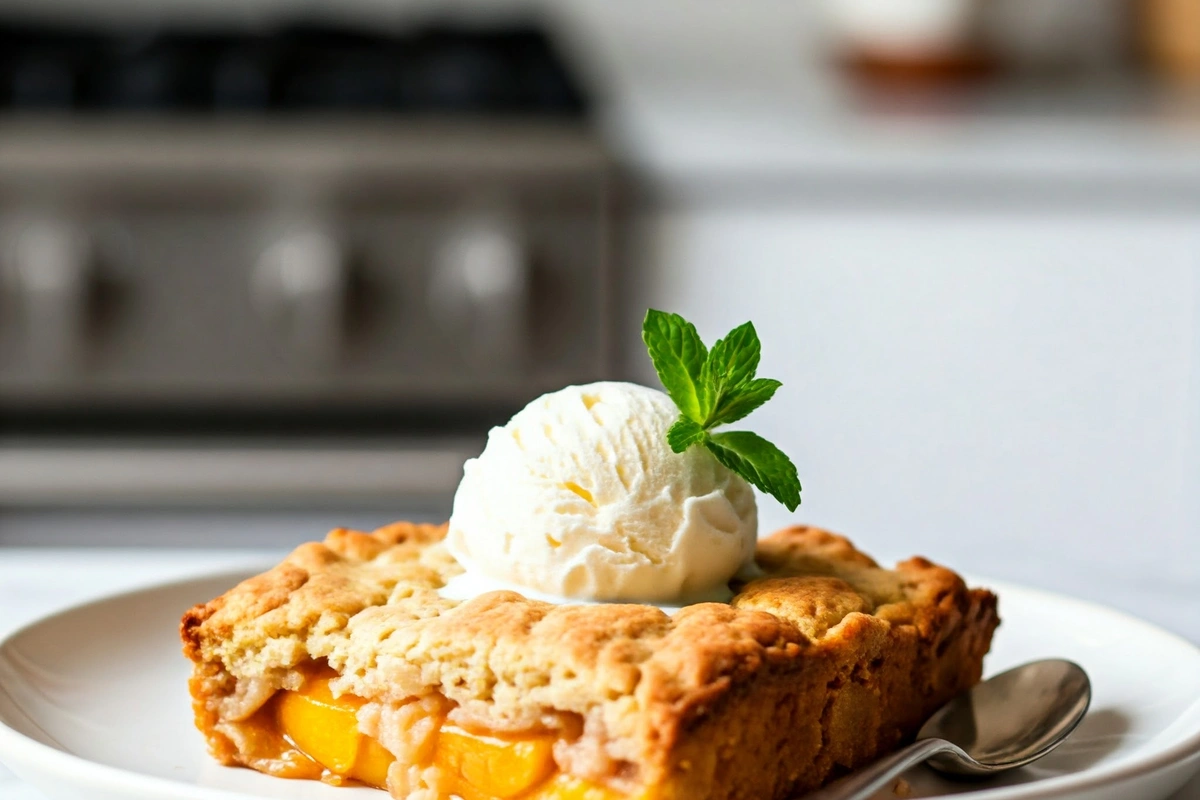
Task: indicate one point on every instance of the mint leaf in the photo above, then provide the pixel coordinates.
(760, 462)
(733, 360)
(679, 357)
(713, 387)
(684, 433)
(741, 401)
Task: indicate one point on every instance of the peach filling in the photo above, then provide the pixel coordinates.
(474, 766)
(325, 728)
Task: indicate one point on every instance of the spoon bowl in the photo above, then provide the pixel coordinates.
(1010, 719)
(1005, 722)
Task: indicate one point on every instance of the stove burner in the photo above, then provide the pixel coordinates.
(297, 68)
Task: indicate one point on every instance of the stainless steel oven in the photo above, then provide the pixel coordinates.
(292, 268)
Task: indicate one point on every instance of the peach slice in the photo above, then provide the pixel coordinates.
(325, 728)
(567, 787)
(484, 767)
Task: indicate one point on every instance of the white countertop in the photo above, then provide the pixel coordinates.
(705, 101)
(34, 582)
(758, 141)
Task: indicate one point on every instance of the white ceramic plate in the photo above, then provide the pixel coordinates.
(93, 704)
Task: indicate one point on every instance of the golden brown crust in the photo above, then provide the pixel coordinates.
(829, 659)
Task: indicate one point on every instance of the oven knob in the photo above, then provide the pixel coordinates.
(51, 268)
(479, 288)
(300, 284)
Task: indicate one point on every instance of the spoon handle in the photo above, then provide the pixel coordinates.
(866, 781)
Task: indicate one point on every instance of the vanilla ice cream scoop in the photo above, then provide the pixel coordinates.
(580, 497)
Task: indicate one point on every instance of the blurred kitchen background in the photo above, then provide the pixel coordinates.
(270, 266)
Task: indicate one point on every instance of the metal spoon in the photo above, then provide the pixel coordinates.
(1005, 722)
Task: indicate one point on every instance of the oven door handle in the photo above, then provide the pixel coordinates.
(226, 476)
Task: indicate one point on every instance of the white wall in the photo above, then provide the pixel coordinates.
(1009, 392)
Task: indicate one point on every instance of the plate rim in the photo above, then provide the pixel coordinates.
(1061, 785)
(103, 776)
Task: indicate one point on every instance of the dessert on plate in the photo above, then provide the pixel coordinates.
(596, 621)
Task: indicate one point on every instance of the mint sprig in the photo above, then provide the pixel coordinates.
(715, 387)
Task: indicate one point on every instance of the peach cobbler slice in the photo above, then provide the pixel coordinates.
(345, 664)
